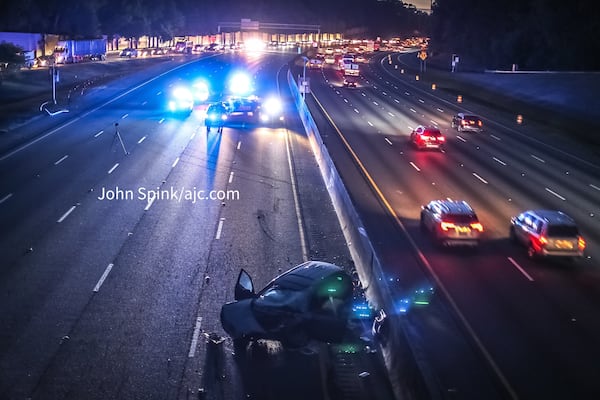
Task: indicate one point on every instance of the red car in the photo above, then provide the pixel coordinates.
(427, 138)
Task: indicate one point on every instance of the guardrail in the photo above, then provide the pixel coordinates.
(400, 357)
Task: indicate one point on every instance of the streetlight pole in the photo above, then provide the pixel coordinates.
(304, 61)
(54, 83)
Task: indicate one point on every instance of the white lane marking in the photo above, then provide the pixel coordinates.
(433, 122)
(363, 94)
(99, 133)
(537, 158)
(103, 277)
(110, 171)
(193, 135)
(61, 160)
(239, 145)
(293, 181)
(337, 92)
(8, 196)
(144, 103)
(125, 116)
(390, 114)
(397, 101)
(376, 103)
(369, 122)
(406, 93)
(499, 161)
(175, 162)
(346, 100)
(85, 114)
(555, 194)
(384, 93)
(440, 110)
(413, 110)
(421, 101)
(389, 142)
(195, 337)
(219, 229)
(592, 185)
(480, 178)
(160, 121)
(159, 93)
(415, 167)
(495, 137)
(356, 111)
(65, 215)
(142, 139)
(231, 177)
(513, 262)
(461, 139)
(150, 202)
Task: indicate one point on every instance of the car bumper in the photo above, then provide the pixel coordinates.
(560, 253)
(453, 242)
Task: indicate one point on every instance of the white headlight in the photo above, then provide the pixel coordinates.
(272, 106)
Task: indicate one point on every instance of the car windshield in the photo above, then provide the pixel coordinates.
(216, 109)
(276, 303)
(277, 296)
(563, 230)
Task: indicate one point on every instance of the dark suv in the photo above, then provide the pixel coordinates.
(451, 223)
(464, 122)
(547, 233)
(216, 116)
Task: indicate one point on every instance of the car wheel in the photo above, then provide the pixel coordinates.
(531, 253)
(240, 348)
(512, 235)
(422, 224)
(295, 340)
(439, 239)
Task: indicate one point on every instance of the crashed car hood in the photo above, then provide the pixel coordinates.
(238, 320)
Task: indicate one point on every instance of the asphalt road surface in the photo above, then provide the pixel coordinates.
(108, 293)
(499, 325)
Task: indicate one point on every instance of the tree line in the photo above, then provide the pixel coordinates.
(169, 18)
(533, 34)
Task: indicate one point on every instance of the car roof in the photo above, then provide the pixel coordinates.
(430, 129)
(306, 274)
(465, 115)
(553, 216)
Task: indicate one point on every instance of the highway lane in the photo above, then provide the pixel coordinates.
(116, 296)
(493, 292)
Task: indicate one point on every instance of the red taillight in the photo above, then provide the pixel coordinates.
(441, 138)
(477, 226)
(580, 243)
(479, 123)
